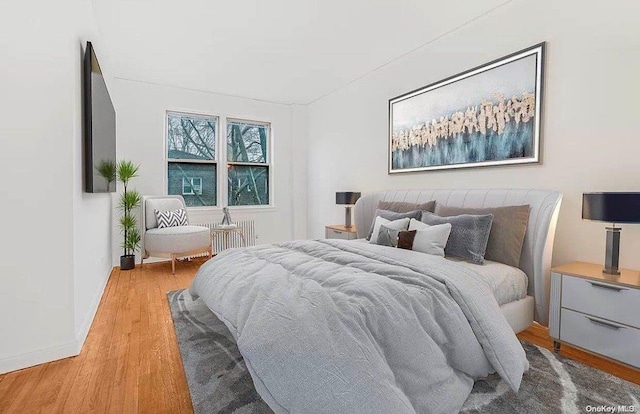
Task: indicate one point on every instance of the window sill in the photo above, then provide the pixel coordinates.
(232, 209)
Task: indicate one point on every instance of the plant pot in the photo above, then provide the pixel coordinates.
(127, 262)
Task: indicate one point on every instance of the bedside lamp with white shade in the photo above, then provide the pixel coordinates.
(347, 199)
(613, 208)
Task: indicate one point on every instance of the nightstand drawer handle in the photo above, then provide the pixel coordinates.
(603, 323)
(610, 287)
(337, 232)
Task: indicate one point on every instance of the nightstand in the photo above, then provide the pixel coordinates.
(339, 231)
(596, 311)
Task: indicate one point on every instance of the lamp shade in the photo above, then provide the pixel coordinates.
(611, 207)
(347, 197)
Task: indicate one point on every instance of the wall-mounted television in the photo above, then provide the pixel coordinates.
(99, 128)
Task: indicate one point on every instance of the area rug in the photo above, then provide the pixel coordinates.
(220, 383)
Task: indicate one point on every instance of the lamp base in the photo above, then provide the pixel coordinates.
(612, 254)
(347, 216)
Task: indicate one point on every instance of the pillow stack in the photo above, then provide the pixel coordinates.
(387, 234)
(395, 210)
(473, 234)
(397, 224)
(411, 234)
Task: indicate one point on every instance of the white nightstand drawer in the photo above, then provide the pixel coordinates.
(601, 336)
(614, 302)
(336, 234)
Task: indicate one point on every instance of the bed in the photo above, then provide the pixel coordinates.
(535, 261)
(330, 326)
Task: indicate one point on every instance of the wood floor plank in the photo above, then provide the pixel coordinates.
(16, 385)
(131, 363)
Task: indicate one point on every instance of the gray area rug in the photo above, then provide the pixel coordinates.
(220, 383)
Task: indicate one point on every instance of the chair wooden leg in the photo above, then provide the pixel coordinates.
(141, 259)
(210, 252)
(173, 264)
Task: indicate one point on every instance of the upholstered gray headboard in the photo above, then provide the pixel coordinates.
(538, 241)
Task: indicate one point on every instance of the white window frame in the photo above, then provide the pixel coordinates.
(189, 160)
(267, 164)
(222, 190)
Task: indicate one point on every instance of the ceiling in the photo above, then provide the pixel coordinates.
(284, 51)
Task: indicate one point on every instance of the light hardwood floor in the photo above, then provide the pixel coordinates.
(130, 362)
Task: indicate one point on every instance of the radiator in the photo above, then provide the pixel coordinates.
(228, 240)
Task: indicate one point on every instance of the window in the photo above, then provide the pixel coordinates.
(191, 186)
(194, 152)
(247, 162)
(191, 155)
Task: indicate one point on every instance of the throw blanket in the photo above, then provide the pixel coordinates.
(333, 326)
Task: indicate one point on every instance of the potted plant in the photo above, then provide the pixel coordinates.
(129, 201)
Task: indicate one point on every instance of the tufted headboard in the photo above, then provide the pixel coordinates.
(538, 241)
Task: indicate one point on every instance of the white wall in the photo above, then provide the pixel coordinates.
(36, 297)
(92, 214)
(141, 132)
(43, 209)
(299, 156)
(590, 133)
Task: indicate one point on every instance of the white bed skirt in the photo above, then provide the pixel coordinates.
(519, 313)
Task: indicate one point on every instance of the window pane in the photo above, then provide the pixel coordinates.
(196, 185)
(186, 186)
(247, 142)
(248, 185)
(191, 137)
(182, 176)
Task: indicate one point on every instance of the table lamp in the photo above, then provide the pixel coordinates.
(613, 208)
(348, 199)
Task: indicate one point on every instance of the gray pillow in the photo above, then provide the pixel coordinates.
(404, 207)
(469, 234)
(392, 215)
(388, 233)
(507, 231)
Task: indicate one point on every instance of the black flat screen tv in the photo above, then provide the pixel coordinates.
(99, 128)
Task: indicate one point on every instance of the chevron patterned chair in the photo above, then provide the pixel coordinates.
(172, 242)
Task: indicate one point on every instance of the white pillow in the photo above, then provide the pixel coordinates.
(417, 225)
(430, 239)
(400, 224)
(379, 221)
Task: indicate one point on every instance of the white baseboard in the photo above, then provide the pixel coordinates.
(81, 334)
(38, 357)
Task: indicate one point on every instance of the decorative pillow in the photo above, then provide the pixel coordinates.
(507, 231)
(403, 207)
(469, 234)
(391, 215)
(405, 239)
(387, 234)
(429, 239)
(379, 221)
(171, 218)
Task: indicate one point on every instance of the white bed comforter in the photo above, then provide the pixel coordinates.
(333, 326)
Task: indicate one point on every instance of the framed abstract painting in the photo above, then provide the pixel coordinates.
(489, 115)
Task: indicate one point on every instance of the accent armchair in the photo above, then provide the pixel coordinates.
(171, 242)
